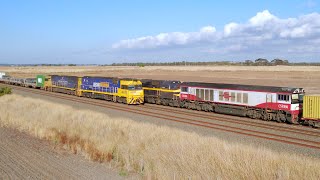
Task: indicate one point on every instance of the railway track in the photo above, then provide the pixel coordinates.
(243, 121)
(211, 121)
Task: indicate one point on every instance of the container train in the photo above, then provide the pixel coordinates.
(281, 104)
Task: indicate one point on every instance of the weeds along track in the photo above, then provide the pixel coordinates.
(303, 137)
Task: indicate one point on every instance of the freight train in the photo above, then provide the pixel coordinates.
(281, 104)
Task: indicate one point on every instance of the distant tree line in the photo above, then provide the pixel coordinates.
(257, 62)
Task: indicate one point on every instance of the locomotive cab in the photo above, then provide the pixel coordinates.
(132, 90)
(297, 103)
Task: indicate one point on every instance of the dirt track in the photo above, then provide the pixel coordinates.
(26, 157)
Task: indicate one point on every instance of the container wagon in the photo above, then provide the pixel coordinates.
(311, 110)
(161, 92)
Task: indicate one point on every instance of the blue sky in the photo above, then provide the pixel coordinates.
(154, 31)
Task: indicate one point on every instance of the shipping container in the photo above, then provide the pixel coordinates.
(100, 84)
(2, 74)
(40, 80)
(311, 107)
(65, 81)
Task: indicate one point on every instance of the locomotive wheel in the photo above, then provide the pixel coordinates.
(188, 105)
(124, 100)
(292, 121)
(171, 103)
(278, 119)
(254, 115)
(175, 103)
(265, 117)
(198, 106)
(158, 102)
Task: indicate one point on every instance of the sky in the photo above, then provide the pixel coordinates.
(105, 32)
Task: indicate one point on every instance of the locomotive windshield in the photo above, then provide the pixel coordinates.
(297, 98)
(134, 87)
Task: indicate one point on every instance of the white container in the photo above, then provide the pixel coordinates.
(2, 74)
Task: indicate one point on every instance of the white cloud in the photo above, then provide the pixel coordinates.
(262, 31)
(168, 39)
(230, 28)
(262, 18)
(208, 29)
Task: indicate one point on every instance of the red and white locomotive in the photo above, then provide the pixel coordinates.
(259, 102)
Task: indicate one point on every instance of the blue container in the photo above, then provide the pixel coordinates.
(65, 81)
(100, 84)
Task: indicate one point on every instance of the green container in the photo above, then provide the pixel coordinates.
(40, 80)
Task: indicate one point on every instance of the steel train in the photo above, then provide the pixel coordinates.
(281, 104)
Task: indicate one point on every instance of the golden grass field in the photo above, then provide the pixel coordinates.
(156, 152)
(293, 76)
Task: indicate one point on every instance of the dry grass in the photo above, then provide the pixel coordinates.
(153, 151)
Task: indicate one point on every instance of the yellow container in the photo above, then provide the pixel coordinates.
(311, 107)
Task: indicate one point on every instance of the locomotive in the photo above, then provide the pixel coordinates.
(258, 102)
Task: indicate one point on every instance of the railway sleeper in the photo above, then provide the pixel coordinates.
(315, 124)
